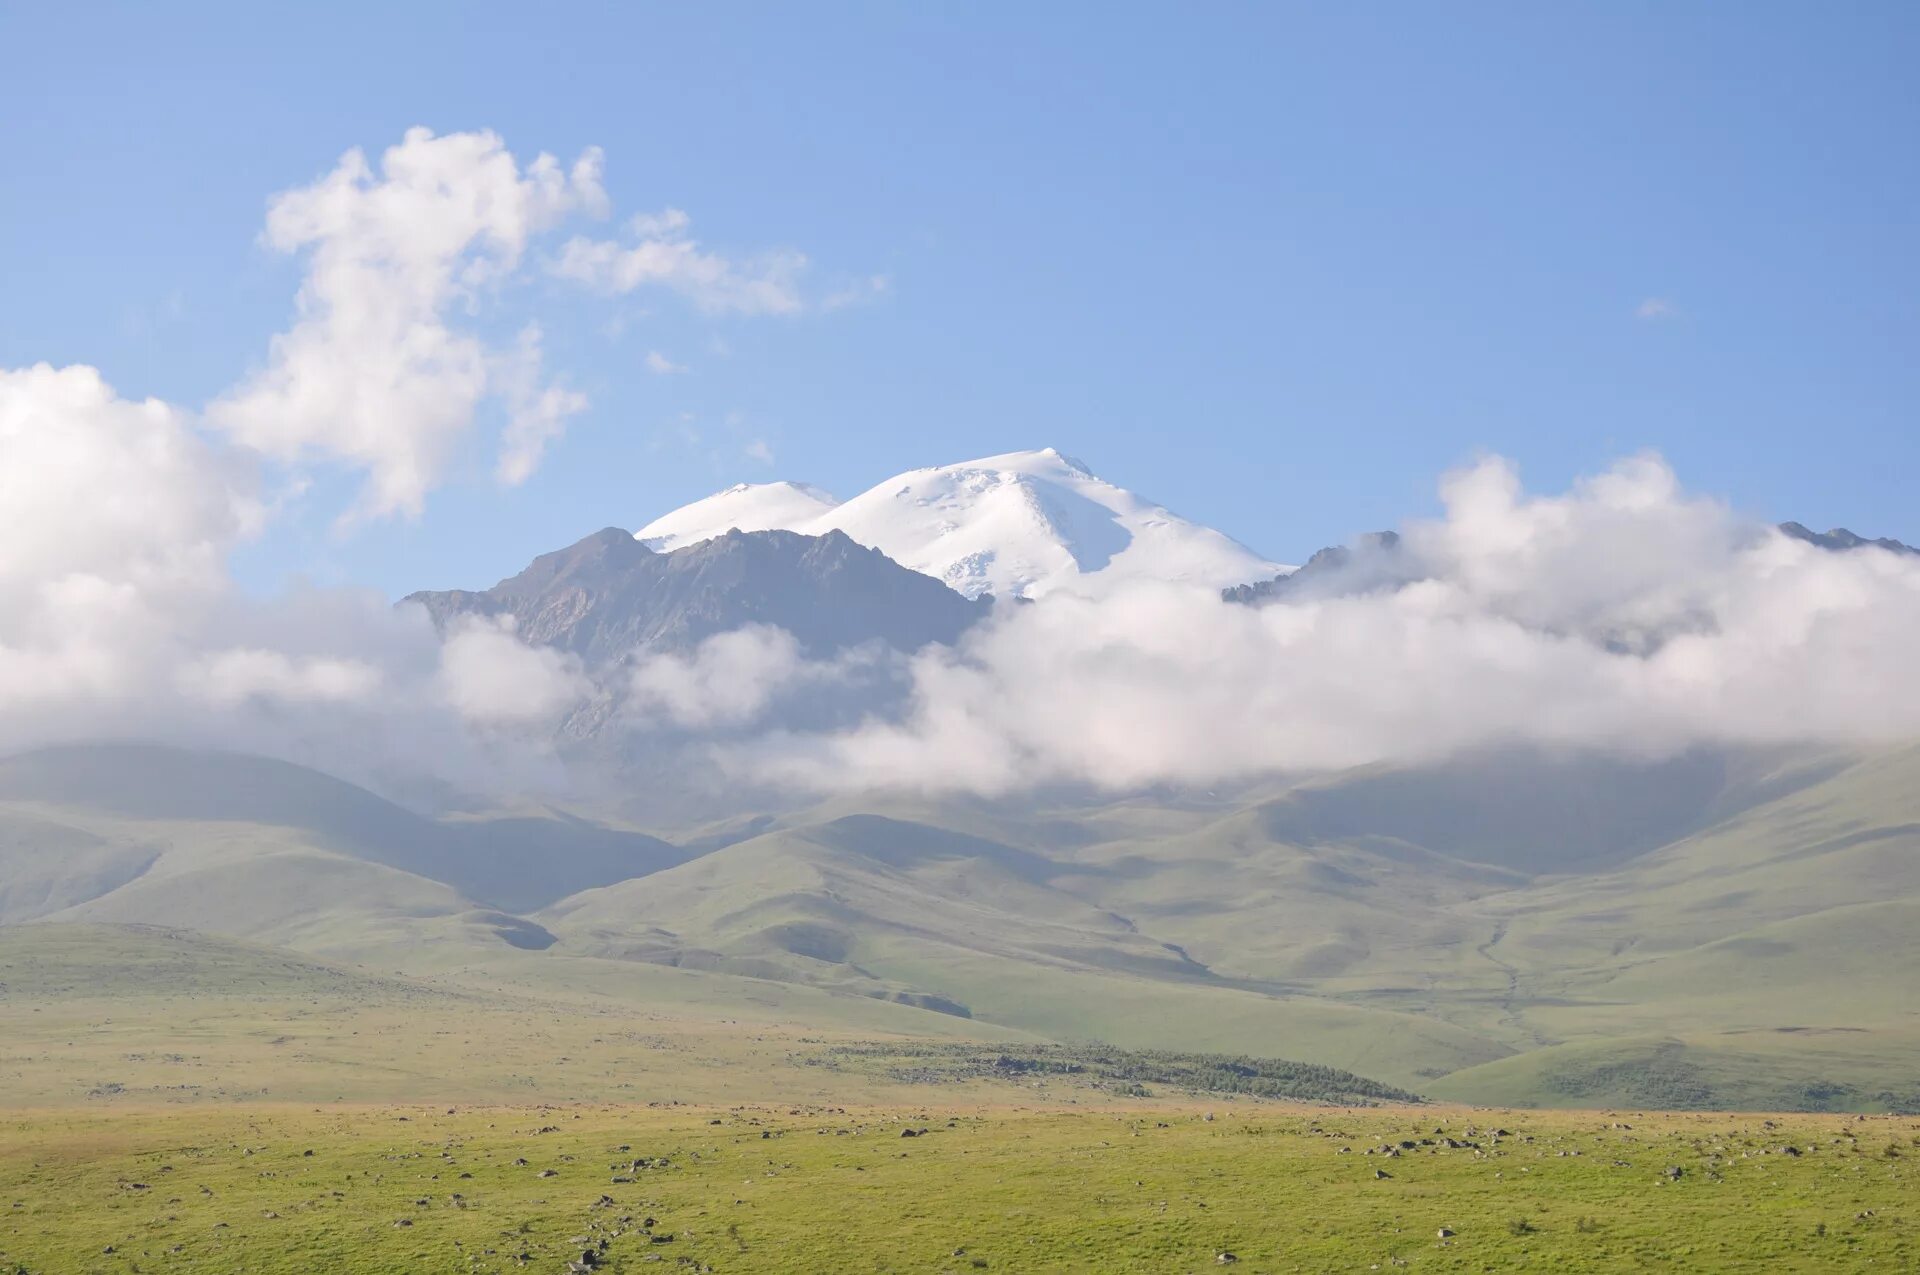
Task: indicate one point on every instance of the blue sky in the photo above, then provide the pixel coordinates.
(1274, 266)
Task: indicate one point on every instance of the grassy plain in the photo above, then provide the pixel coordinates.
(170, 1101)
(1130, 1187)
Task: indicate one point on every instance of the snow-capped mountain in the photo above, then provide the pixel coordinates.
(746, 506)
(1017, 525)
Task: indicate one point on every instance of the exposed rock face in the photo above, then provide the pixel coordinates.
(1373, 561)
(609, 595)
(1841, 538)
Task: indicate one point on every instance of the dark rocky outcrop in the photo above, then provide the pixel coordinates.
(609, 595)
(1373, 561)
(1839, 538)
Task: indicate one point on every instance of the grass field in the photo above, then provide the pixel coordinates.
(1127, 1188)
(170, 1101)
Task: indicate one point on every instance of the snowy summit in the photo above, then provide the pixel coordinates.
(1017, 525)
(778, 506)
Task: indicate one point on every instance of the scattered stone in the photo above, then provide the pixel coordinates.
(1445, 1233)
(1224, 1258)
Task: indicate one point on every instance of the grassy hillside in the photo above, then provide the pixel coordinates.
(1413, 923)
(141, 794)
(979, 928)
(1491, 920)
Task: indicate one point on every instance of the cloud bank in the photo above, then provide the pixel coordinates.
(1624, 615)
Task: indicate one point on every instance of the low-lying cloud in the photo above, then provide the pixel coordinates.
(1624, 615)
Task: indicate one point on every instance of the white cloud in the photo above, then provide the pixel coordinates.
(1624, 615)
(760, 450)
(1654, 309)
(113, 515)
(233, 677)
(660, 365)
(491, 677)
(728, 680)
(871, 288)
(537, 412)
(119, 619)
(372, 374)
(664, 256)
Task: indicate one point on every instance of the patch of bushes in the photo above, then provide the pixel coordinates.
(1122, 1071)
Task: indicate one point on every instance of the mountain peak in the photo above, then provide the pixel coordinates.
(1017, 524)
(770, 506)
(1840, 538)
(605, 600)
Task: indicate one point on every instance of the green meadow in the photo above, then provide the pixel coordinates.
(1124, 1187)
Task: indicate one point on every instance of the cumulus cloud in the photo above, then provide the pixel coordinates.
(1654, 309)
(728, 680)
(374, 374)
(491, 677)
(238, 675)
(103, 489)
(660, 365)
(537, 412)
(119, 619)
(663, 255)
(1623, 615)
(114, 517)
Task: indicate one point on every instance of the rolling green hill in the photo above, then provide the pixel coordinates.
(1738, 927)
(515, 862)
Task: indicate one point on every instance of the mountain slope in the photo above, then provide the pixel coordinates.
(1841, 538)
(1017, 525)
(83, 825)
(967, 925)
(608, 595)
